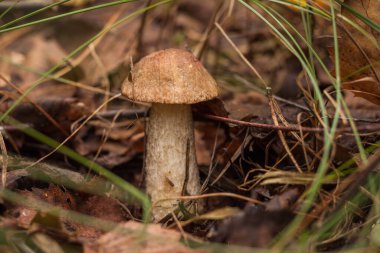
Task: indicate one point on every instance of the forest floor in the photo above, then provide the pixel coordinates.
(287, 153)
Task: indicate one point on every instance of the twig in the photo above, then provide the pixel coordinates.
(140, 32)
(4, 160)
(274, 112)
(142, 113)
(345, 190)
(215, 194)
(74, 132)
(184, 235)
(247, 83)
(133, 114)
(38, 107)
(290, 128)
(200, 47)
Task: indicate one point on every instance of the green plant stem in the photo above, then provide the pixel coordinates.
(32, 13)
(360, 16)
(8, 9)
(40, 21)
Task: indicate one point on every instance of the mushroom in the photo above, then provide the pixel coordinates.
(171, 80)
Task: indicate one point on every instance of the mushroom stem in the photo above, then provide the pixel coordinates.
(170, 162)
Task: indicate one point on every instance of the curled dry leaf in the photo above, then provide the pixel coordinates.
(367, 88)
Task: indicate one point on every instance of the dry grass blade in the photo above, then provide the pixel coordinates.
(217, 194)
(349, 186)
(4, 161)
(218, 214)
(235, 156)
(52, 174)
(241, 54)
(366, 87)
(38, 107)
(278, 177)
(289, 128)
(275, 110)
(76, 130)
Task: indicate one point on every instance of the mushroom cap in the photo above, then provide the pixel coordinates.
(170, 76)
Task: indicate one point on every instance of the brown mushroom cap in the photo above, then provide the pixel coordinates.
(170, 76)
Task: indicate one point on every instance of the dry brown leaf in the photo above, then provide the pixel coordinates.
(248, 103)
(358, 52)
(104, 208)
(214, 106)
(101, 207)
(367, 88)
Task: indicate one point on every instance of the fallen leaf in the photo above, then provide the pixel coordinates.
(214, 107)
(104, 208)
(358, 52)
(100, 207)
(367, 88)
(248, 103)
(41, 115)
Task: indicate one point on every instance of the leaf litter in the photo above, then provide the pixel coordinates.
(249, 162)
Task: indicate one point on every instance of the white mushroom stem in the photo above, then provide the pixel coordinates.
(170, 162)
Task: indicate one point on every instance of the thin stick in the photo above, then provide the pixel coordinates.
(273, 106)
(4, 160)
(373, 127)
(216, 194)
(74, 132)
(38, 107)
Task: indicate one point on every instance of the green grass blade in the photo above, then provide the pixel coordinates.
(44, 20)
(360, 16)
(74, 52)
(135, 193)
(8, 9)
(32, 13)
